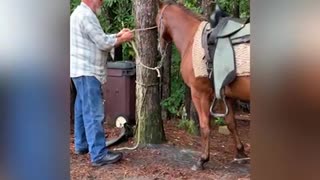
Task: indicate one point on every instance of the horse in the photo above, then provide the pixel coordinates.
(178, 24)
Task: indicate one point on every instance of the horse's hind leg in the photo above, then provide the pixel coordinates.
(202, 105)
(232, 126)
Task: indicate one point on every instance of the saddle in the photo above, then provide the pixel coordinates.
(218, 42)
(216, 16)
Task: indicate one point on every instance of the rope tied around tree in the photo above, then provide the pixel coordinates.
(144, 29)
(157, 69)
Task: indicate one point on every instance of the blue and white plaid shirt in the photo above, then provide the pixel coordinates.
(89, 45)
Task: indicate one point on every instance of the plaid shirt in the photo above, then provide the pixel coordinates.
(89, 45)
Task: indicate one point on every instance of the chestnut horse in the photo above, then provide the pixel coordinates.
(178, 24)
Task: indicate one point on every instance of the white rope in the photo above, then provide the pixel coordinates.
(240, 159)
(157, 68)
(143, 29)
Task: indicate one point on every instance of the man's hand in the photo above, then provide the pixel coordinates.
(123, 31)
(124, 35)
(127, 36)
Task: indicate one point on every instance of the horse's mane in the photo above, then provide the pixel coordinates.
(186, 10)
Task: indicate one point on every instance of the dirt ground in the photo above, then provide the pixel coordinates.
(172, 160)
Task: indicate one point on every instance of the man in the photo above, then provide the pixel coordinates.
(89, 48)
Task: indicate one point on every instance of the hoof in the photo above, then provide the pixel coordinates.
(241, 157)
(197, 167)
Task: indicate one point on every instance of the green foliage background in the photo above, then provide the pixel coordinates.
(226, 5)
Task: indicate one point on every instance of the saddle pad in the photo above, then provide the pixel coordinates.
(198, 55)
(242, 54)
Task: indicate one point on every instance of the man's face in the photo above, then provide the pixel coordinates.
(97, 5)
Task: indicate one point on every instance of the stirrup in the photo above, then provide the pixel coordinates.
(214, 104)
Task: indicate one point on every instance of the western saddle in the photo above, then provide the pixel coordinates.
(218, 41)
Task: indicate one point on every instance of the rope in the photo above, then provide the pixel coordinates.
(239, 159)
(146, 85)
(157, 69)
(139, 125)
(144, 29)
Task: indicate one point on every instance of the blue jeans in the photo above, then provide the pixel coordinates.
(89, 117)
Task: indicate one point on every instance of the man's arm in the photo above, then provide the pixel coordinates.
(104, 41)
(124, 35)
(93, 28)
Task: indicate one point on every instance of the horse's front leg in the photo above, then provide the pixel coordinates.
(232, 126)
(202, 105)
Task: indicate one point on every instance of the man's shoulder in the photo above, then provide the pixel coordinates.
(80, 12)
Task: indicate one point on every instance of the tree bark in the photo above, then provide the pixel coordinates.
(199, 3)
(166, 80)
(188, 101)
(191, 110)
(118, 54)
(150, 126)
(207, 7)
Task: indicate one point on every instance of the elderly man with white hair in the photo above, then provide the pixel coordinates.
(89, 47)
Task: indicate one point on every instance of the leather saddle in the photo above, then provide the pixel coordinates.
(218, 42)
(216, 16)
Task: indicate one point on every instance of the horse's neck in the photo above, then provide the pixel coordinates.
(183, 34)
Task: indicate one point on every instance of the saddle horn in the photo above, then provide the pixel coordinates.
(217, 15)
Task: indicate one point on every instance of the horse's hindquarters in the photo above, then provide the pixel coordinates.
(239, 89)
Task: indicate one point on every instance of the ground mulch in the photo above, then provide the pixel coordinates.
(171, 160)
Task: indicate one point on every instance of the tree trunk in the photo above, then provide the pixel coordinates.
(188, 101)
(236, 9)
(150, 126)
(207, 7)
(191, 110)
(166, 80)
(198, 4)
(118, 54)
(194, 117)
